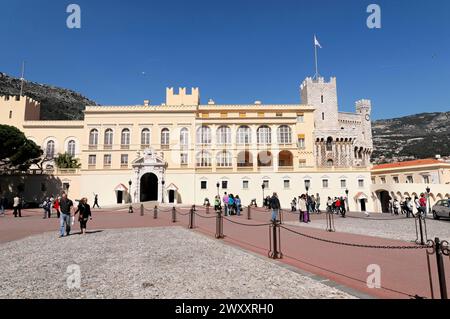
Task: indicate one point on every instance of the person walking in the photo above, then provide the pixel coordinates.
(338, 206)
(237, 202)
(46, 207)
(396, 207)
(52, 201)
(275, 206)
(318, 203)
(225, 200)
(85, 214)
(423, 205)
(95, 201)
(2, 205)
(303, 208)
(217, 203)
(231, 206)
(330, 205)
(66, 206)
(342, 205)
(16, 206)
(409, 207)
(56, 207)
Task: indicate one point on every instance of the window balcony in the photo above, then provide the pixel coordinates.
(93, 146)
(125, 146)
(107, 147)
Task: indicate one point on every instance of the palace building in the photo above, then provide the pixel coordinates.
(184, 151)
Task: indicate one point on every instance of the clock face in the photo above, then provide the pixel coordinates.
(367, 117)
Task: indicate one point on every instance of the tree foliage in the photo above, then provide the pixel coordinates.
(67, 161)
(16, 151)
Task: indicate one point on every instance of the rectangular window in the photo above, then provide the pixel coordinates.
(223, 114)
(343, 183)
(92, 160)
(287, 184)
(373, 180)
(279, 114)
(224, 184)
(10, 114)
(242, 114)
(66, 187)
(360, 183)
(302, 163)
(301, 143)
(396, 180)
(183, 158)
(124, 160)
(300, 118)
(383, 180)
(426, 179)
(245, 184)
(325, 183)
(203, 184)
(409, 179)
(107, 160)
(266, 184)
(260, 114)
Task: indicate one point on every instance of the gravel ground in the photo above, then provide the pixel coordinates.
(401, 229)
(146, 263)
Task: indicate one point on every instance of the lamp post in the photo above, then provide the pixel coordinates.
(263, 186)
(218, 189)
(307, 186)
(346, 198)
(163, 182)
(130, 209)
(428, 199)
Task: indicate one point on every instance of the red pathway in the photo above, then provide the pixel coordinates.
(404, 272)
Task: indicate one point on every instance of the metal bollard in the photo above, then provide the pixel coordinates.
(207, 210)
(275, 241)
(191, 218)
(330, 222)
(155, 212)
(249, 217)
(422, 228)
(142, 209)
(219, 225)
(174, 215)
(440, 268)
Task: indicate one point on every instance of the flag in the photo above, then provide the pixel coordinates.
(316, 42)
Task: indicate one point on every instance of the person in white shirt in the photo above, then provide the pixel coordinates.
(16, 206)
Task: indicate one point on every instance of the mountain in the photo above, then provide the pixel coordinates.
(411, 137)
(56, 103)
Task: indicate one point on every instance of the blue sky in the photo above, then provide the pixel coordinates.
(236, 51)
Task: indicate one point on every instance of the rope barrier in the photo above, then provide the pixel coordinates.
(204, 216)
(257, 225)
(354, 245)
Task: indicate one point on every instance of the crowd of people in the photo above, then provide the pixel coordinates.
(231, 204)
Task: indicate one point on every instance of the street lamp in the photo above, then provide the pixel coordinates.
(163, 182)
(130, 209)
(263, 186)
(428, 199)
(218, 188)
(346, 198)
(307, 185)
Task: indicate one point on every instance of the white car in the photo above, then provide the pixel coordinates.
(441, 209)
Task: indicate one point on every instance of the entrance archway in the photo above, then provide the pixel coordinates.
(149, 187)
(171, 196)
(384, 198)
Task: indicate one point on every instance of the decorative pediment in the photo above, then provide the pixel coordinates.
(149, 158)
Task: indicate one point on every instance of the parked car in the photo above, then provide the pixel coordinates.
(441, 209)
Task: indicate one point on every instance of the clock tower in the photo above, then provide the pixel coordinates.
(364, 109)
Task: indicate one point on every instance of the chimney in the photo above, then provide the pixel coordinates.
(211, 102)
(146, 102)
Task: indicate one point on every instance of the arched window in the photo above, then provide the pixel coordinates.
(125, 138)
(285, 159)
(330, 163)
(244, 159)
(224, 159)
(145, 137)
(329, 144)
(165, 138)
(184, 138)
(203, 159)
(50, 149)
(264, 135)
(244, 136)
(93, 137)
(265, 159)
(109, 137)
(284, 134)
(71, 148)
(223, 135)
(204, 135)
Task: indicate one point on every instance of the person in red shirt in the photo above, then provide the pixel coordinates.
(56, 206)
(423, 204)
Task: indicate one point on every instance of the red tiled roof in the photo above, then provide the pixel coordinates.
(427, 161)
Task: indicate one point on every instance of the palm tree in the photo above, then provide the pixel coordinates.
(67, 161)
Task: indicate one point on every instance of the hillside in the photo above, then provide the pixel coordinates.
(416, 136)
(56, 103)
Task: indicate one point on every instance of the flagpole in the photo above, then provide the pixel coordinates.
(315, 55)
(22, 78)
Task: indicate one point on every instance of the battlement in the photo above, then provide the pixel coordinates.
(319, 80)
(182, 97)
(363, 104)
(16, 109)
(18, 98)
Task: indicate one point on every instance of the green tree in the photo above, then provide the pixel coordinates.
(16, 151)
(67, 161)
